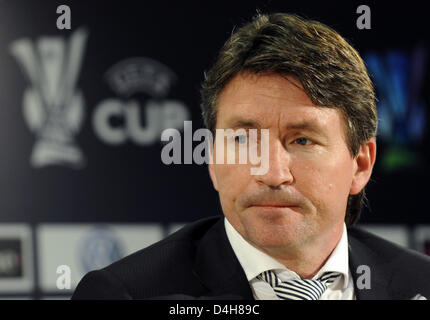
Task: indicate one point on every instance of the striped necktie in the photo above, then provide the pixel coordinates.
(303, 289)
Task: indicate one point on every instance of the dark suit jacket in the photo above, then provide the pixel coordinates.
(198, 261)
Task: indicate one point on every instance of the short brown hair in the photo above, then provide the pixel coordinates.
(330, 70)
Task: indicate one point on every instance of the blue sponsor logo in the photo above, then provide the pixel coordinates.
(99, 248)
(399, 77)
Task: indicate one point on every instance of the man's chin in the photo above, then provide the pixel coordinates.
(274, 234)
(269, 213)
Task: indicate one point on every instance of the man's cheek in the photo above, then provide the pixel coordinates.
(316, 185)
(235, 172)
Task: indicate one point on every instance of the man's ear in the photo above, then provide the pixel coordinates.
(212, 169)
(363, 166)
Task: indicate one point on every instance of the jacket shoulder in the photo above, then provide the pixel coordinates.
(405, 272)
(387, 249)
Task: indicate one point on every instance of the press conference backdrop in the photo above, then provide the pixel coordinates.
(82, 183)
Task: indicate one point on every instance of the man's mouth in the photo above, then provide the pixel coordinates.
(274, 204)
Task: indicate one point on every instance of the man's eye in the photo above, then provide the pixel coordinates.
(240, 139)
(303, 141)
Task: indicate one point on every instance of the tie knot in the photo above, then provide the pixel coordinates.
(299, 289)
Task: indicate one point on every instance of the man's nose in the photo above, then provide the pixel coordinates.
(278, 173)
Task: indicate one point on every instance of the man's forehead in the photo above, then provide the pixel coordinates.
(316, 119)
(246, 87)
(272, 100)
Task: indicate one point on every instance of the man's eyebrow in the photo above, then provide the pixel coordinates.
(305, 125)
(243, 123)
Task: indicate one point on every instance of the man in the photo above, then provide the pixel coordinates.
(287, 233)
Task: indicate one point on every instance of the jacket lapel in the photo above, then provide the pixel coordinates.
(217, 267)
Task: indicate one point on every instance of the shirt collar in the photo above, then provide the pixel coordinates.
(255, 261)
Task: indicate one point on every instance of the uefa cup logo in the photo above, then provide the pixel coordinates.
(53, 109)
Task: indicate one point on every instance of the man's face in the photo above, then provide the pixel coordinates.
(304, 193)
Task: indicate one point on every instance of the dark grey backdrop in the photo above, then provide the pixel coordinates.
(128, 182)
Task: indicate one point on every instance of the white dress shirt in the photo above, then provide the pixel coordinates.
(254, 262)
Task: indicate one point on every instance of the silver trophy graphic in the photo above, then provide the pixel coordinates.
(52, 107)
